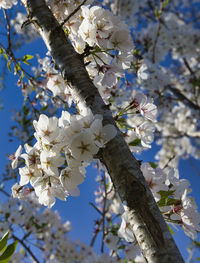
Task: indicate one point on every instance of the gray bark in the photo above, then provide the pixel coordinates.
(148, 225)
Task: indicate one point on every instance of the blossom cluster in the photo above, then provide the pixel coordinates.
(105, 36)
(103, 39)
(55, 165)
(172, 195)
(7, 3)
(45, 229)
(167, 58)
(178, 127)
(110, 52)
(137, 118)
(110, 208)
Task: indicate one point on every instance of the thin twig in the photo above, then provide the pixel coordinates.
(27, 248)
(35, 111)
(158, 30)
(96, 232)
(183, 98)
(188, 67)
(169, 160)
(4, 192)
(73, 13)
(8, 30)
(156, 41)
(103, 214)
(95, 208)
(194, 167)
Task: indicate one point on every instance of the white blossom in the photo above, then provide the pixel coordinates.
(7, 3)
(125, 231)
(70, 178)
(82, 147)
(15, 157)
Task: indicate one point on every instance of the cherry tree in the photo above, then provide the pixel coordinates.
(116, 76)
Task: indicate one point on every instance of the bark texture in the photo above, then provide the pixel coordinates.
(148, 225)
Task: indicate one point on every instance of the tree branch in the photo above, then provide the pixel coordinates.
(188, 66)
(145, 218)
(73, 13)
(183, 98)
(8, 29)
(104, 212)
(27, 248)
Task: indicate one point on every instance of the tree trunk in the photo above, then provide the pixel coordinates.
(147, 223)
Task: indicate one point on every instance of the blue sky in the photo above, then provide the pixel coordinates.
(77, 209)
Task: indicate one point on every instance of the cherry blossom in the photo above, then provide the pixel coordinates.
(150, 86)
(7, 3)
(125, 230)
(15, 157)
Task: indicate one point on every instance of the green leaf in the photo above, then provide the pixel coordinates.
(17, 67)
(5, 56)
(7, 254)
(7, 215)
(157, 13)
(26, 57)
(130, 261)
(166, 193)
(8, 65)
(27, 63)
(196, 243)
(30, 139)
(196, 82)
(122, 247)
(21, 251)
(25, 110)
(135, 142)
(198, 258)
(22, 75)
(153, 165)
(166, 2)
(108, 185)
(167, 201)
(114, 229)
(136, 52)
(3, 241)
(170, 229)
(44, 108)
(27, 122)
(166, 198)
